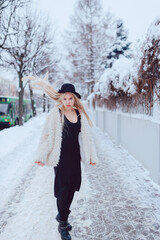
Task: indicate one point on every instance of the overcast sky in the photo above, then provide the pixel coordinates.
(136, 14)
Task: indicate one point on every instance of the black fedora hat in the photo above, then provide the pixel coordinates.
(68, 87)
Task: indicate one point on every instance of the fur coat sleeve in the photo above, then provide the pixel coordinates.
(42, 150)
(87, 146)
(48, 150)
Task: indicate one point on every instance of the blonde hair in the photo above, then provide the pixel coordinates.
(45, 86)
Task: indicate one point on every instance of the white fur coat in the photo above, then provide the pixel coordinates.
(49, 147)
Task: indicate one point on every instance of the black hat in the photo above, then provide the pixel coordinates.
(68, 87)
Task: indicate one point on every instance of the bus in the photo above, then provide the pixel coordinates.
(9, 111)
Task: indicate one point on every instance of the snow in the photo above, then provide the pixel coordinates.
(16, 155)
(117, 199)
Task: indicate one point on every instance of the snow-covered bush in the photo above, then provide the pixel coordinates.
(149, 71)
(117, 83)
(118, 78)
(132, 81)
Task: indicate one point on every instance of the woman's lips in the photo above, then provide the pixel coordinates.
(68, 105)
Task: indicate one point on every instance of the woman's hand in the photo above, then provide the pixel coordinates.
(91, 163)
(39, 163)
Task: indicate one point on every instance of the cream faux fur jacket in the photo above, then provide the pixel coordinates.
(49, 147)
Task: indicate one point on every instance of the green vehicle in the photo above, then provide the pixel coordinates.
(9, 111)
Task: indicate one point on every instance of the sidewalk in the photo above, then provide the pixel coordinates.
(122, 203)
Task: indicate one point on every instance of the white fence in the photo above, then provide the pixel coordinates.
(141, 137)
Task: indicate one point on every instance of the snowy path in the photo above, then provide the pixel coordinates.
(117, 199)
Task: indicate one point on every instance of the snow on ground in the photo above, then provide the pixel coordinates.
(117, 199)
(16, 149)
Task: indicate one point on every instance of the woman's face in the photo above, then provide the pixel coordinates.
(68, 100)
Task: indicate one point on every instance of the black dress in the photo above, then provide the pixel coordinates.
(68, 171)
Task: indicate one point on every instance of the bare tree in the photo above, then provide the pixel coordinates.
(87, 42)
(8, 11)
(31, 48)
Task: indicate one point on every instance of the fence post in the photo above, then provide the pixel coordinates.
(104, 120)
(159, 153)
(96, 117)
(118, 140)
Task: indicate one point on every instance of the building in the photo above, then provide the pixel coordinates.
(7, 88)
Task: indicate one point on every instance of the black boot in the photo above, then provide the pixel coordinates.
(69, 226)
(62, 228)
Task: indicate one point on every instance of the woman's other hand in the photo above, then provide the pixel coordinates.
(91, 163)
(40, 163)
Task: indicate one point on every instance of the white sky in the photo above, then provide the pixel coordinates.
(136, 14)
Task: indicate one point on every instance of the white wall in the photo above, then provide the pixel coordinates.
(141, 137)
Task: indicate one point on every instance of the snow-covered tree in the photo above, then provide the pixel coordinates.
(120, 44)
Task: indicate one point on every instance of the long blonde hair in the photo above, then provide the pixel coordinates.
(45, 86)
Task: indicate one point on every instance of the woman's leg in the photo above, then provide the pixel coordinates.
(64, 200)
(62, 203)
(69, 200)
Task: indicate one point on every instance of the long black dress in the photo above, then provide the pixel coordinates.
(68, 171)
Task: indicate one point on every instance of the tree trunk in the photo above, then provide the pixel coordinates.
(20, 101)
(32, 101)
(48, 105)
(44, 102)
(88, 89)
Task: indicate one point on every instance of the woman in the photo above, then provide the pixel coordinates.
(64, 142)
